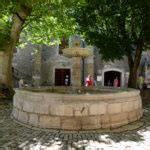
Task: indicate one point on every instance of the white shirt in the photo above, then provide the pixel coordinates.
(21, 84)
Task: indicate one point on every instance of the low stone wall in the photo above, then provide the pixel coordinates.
(76, 112)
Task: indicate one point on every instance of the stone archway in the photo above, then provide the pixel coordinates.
(60, 75)
(109, 77)
(111, 74)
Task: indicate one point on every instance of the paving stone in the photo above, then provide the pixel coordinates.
(65, 137)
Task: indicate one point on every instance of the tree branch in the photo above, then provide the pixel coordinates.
(133, 32)
(21, 19)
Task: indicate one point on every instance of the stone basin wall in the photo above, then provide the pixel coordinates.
(76, 112)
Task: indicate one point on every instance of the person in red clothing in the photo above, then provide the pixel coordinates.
(116, 82)
(88, 81)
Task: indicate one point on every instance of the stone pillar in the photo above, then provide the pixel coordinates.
(36, 73)
(76, 71)
(3, 67)
(89, 66)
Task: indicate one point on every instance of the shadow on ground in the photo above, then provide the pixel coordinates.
(16, 136)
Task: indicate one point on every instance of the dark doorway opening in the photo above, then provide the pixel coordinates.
(109, 77)
(60, 77)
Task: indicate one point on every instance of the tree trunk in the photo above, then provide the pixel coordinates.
(18, 21)
(134, 64)
(132, 82)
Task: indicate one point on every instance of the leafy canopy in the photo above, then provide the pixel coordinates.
(49, 19)
(115, 26)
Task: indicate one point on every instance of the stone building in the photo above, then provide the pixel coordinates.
(46, 65)
(106, 72)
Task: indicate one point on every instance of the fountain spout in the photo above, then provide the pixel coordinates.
(76, 53)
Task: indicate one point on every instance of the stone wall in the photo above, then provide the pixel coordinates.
(53, 61)
(22, 62)
(76, 112)
(50, 60)
(3, 67)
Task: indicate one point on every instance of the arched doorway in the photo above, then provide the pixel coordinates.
(60, 75)
(109, 77)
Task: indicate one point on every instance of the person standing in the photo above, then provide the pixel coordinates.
(88, 81)
(66, 80)
(21, 83)
(140, 82)
(116, 82)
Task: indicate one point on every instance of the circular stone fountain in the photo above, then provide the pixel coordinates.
(64, 108)
(76, 108)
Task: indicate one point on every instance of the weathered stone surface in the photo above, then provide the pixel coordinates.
(136, 104)
(114, 108)
(132, 115)
(57, 110)
(28, 106)
(105, 121)
(61, 110)
(118, 124)
(140, 103)
(91, 122)
(98, 109)
(127, 106)
(15, 100)
(76, 73)
(117, 120)
(15, 113)
(77, 111)
(35, 97)
(140, 112)
(68, 110)
(118, 117)
(80, 110)
(46, 121)
(23, 116)
(33, 119)
(4, 59)
(41, 108)
(18, 103)
(71, 123)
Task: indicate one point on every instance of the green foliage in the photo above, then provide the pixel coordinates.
(4, 28)
(49, 19)
(5, 22)
(50, 23)
(115, 26)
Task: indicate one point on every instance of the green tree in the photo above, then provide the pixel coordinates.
(119, 28)
(12, 20)
(37, 20)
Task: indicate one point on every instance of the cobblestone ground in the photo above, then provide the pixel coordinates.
(14, 136)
